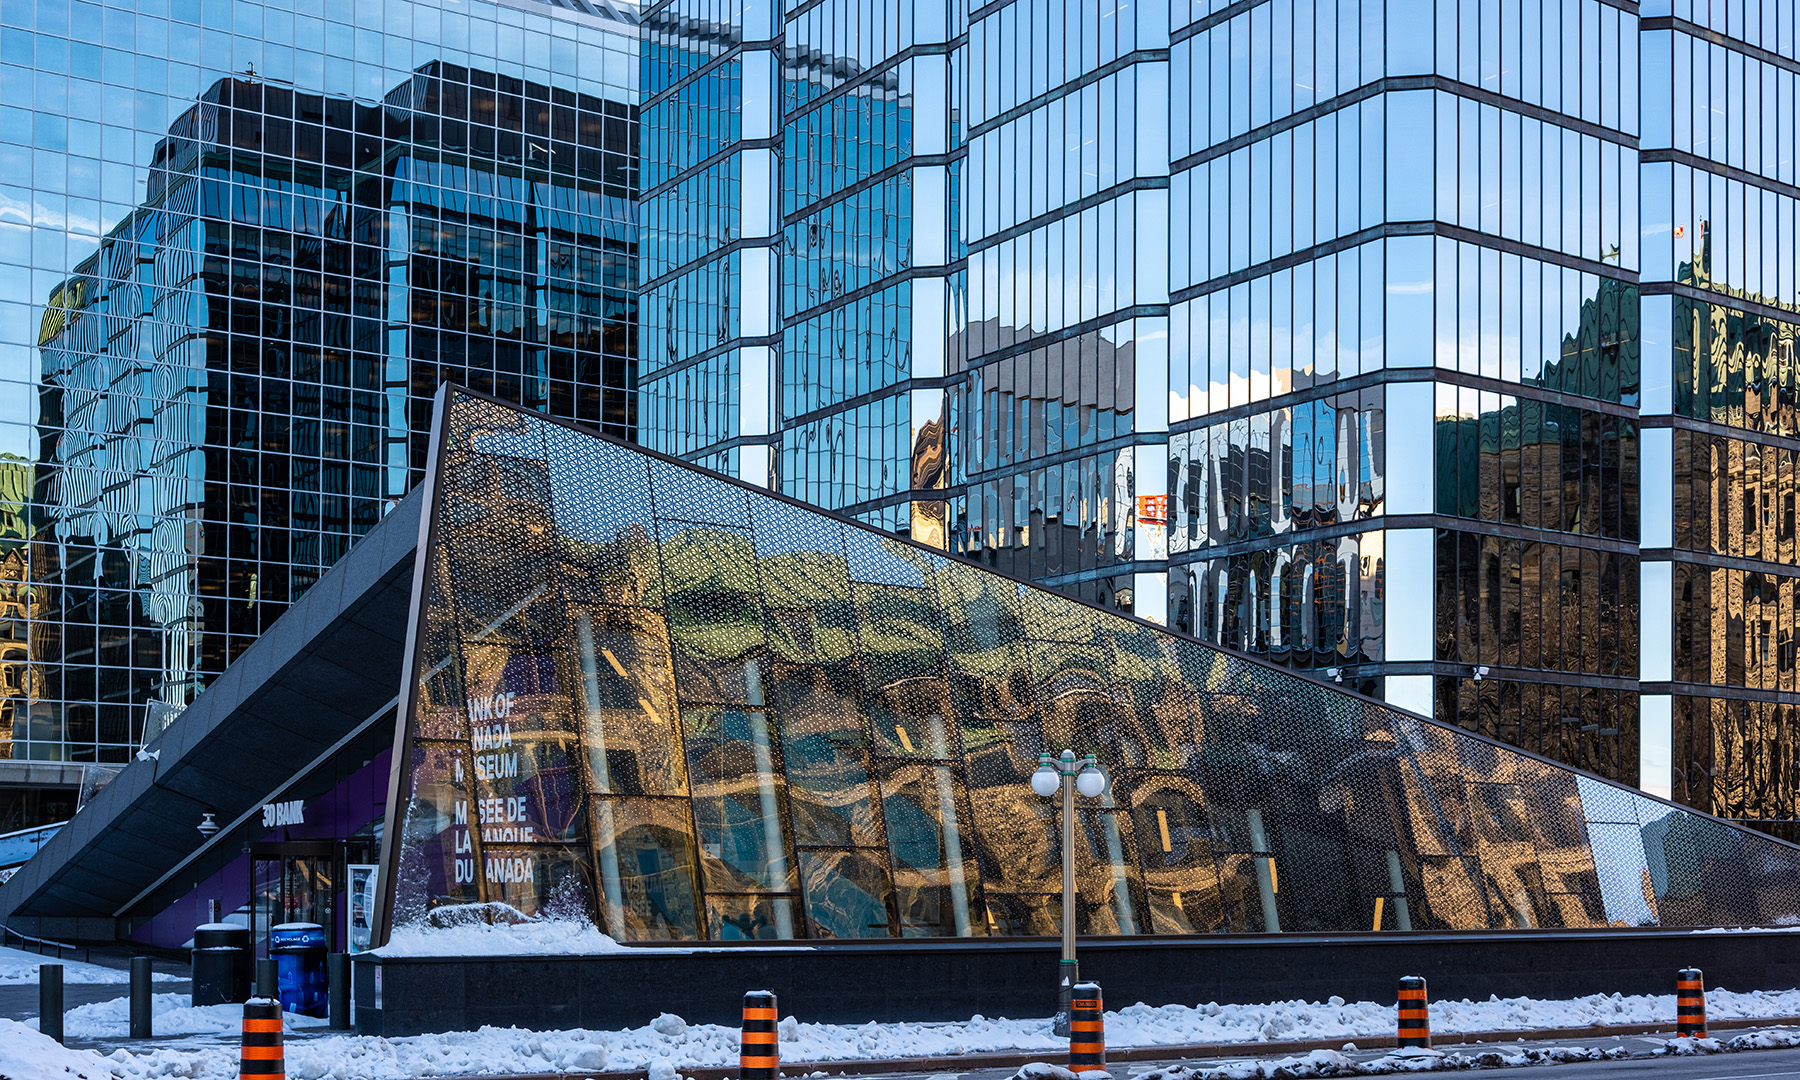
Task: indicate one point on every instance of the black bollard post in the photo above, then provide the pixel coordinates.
(337, 970)
(268, 981)
(140, 997)
(50, 1000)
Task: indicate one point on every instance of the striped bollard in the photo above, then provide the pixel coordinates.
(1690, 1004)
(759, 1058)
(261, 1055)
(1087, 1029)
(1415, 1018)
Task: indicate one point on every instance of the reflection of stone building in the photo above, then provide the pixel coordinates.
(1732, 584)
(753, 721)
(19, 605)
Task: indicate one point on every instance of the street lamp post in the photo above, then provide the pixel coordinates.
(1069, 776)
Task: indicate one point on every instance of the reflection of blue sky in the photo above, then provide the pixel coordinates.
(513, 444)
(782, 529)
(877, 562)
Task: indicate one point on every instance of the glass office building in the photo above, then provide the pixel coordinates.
(801, 253)
(240, 246)
(1410, 319)
(1248, 304)
(1720, 321)
(681, 708)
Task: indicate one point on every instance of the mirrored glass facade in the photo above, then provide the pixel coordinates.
(1405, 449)
(241, 243)
(1249, 304)
(803, 292)
(1721, 312)
(672, 704)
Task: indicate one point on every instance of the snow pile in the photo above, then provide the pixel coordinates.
(1687, 1045)
(1764, 1040)
(490, 1050)
(171, 1014)
(573, 937)
(1787, 924)
(26, 1055)
(670, 1045)
(1327, 1063)
(21, 968)
(1176, 1025)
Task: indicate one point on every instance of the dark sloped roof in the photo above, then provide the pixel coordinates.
(328, 664)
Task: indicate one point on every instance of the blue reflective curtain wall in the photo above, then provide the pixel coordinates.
(678, 707)
(1192, 310)
(240, 245)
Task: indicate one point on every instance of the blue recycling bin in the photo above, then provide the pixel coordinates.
(302, 984)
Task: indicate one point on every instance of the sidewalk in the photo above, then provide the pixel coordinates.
(1630, 1040)
(19, 1000)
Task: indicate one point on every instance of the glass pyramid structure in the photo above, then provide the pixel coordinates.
(684, 708)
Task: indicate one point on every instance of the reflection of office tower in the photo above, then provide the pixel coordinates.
(236, 385)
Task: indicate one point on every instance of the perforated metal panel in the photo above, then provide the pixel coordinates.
(654, 698)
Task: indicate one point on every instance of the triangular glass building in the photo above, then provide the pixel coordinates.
(684, 708)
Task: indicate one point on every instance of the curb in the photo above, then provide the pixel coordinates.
(962, 1063)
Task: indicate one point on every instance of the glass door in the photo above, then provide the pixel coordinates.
(289, 883)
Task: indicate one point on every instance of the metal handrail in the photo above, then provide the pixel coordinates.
(7, 932)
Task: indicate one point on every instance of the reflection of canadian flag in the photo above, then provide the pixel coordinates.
(1680, 231)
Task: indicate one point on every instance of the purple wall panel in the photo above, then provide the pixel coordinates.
(350, 806)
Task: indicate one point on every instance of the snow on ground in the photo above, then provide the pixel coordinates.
(547, 938)
(18, 967)
(26, 1055)
(668, 1045)
(171, 1014)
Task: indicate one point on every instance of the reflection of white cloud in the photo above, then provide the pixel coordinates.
(1617, 839)
(1619, 862)
(37, 215)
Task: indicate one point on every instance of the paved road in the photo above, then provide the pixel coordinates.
(1745, 1065)
(1750, 1065)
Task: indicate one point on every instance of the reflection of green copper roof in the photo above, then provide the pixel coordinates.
(859, 714)
(16, 477)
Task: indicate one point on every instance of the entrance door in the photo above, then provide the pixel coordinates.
(295, 881)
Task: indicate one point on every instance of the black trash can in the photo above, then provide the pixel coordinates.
(221, 964)
(299, 952)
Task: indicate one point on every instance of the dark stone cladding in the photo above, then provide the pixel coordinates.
(854, 983)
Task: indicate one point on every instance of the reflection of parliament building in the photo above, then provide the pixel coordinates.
(741, 719)
(236, 386)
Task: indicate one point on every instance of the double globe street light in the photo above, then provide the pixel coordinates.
(1069, 775)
